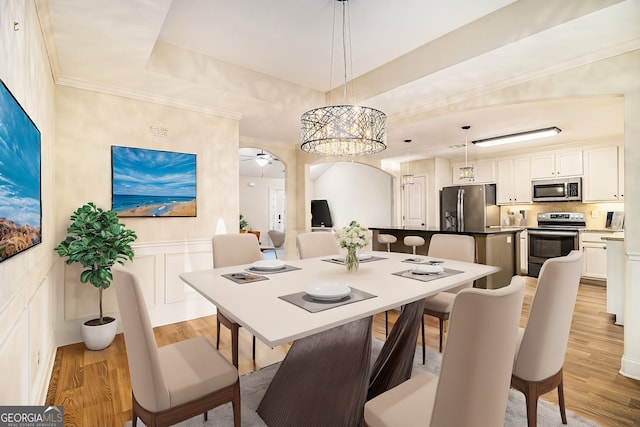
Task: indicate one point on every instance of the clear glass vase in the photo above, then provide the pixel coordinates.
(351, 260)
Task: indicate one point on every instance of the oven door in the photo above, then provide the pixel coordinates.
(545, 244)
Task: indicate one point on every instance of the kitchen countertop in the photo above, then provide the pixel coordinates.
(488, 230)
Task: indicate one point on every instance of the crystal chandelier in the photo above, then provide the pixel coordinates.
(466, 172)
(343, 130)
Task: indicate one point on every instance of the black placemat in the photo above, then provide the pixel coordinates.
(427, 277)
(304, 301)
(339, 260)
(244, 277)
(284, 269)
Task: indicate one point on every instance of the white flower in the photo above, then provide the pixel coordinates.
(353, 236)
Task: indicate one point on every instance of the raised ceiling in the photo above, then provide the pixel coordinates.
(265, 62)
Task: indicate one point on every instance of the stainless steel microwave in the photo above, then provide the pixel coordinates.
(557, 190)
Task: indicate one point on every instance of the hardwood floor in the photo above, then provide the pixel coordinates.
(95, 389)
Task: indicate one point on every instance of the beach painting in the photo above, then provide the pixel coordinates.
(20, 202)
(152, 183)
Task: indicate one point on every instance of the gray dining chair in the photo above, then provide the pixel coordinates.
(177, 381)
(473, 386)
(542, 343)
(228, 250)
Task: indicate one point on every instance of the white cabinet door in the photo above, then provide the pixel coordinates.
(484, 171)
(594, 255)
(522, 180)
(555, 165)
(601, 175)
(621, 173)
(513, 183)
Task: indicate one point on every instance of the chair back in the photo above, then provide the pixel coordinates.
(544, 341)
(147, 380)
(457, 247)
(277, 237)
(315, 244)
(473, 387)
(235, 249)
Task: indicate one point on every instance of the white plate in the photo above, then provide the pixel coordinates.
(268, 264)
(327, 291)
(428, 269)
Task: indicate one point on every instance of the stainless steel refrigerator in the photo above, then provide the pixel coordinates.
(468, 207)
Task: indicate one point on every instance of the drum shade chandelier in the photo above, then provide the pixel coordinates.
(343, 130)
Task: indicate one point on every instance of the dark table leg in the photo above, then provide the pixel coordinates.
(322, 380)
(395, 362)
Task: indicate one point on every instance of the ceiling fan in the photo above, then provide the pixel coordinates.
(261, 158)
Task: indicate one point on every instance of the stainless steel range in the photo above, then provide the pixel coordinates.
(556, 235)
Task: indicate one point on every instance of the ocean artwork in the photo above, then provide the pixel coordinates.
(152, 183)
(20, 201)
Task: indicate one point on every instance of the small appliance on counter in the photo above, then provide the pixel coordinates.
(615, 221)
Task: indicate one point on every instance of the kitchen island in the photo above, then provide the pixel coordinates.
(494, 246)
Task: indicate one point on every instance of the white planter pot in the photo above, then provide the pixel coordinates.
(98, 337)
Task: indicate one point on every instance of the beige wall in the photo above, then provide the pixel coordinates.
(89, 123)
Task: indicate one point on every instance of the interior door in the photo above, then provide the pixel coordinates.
(277, 209)
(414, 203)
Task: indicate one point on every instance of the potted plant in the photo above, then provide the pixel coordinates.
(97, 240)
(243, 224)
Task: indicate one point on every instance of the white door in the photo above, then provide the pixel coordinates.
(414, 203)
(277, 209)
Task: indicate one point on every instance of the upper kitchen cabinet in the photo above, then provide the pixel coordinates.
(556, 165)
(604, 174)
(484, 172)
(514, 181)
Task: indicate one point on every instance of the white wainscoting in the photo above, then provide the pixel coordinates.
(158, 266)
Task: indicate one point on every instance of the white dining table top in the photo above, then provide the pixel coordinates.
(257, 308)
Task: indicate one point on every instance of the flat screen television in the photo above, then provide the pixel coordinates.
(152, 183)
(320, 214)
(20, 179)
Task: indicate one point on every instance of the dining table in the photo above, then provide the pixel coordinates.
(326, 376)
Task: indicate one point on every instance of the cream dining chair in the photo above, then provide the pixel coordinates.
(315, 244)
(457, 247)
(174, 382)
(473, 386)
(542, 343)
(228, 250)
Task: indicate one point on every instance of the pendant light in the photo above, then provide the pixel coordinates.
(407, 178)
(466, 172)
(343, 130)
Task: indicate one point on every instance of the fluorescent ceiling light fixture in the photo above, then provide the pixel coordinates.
(518, 137)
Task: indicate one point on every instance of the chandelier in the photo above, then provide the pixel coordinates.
(343, 130)
(466, 172)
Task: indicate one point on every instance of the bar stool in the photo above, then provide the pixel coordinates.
(413, 241)
(387, 239)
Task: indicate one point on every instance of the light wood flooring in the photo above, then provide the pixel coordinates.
(95, 389)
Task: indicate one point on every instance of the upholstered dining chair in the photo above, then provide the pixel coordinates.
(473, 386)
(174, 382)
(314, 244)
(234, 249)
(542, 343)
(448, 246)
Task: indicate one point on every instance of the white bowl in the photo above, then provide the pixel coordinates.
(365, 256)
(268, 264)
(327, 291)
(428, 269)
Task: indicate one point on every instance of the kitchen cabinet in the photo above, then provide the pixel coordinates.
(603, 171)
(594, 252)
(615, 278)
(484, 171)
(513, 184)
(555, 165)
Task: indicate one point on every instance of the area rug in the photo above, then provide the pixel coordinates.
(254, 384)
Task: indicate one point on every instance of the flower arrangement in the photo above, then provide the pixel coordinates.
(352, 238)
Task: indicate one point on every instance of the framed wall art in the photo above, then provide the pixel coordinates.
(20, 178)
(152, 183)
